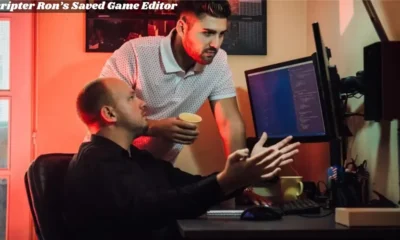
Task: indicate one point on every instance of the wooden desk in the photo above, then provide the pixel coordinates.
(288, 227)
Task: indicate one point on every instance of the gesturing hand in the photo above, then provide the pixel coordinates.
(263, 164)
(286, 154)
(286, 150)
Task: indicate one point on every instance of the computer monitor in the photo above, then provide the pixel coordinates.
(302, 98)
(330, 79)
(289, 98)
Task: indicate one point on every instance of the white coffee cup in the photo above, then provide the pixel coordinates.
(190, 117)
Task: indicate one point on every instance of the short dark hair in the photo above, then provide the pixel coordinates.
(216, 8)
(90, 101)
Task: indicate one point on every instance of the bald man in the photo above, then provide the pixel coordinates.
(114, 190)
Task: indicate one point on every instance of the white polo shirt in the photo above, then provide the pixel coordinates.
(166, 89)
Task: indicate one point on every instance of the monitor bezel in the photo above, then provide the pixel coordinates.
(324, 92)
(329, 77)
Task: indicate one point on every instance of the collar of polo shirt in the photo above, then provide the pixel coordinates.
(168, 59)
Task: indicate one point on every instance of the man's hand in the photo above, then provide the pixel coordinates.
(287, 150)
(174, 130)
(241, 171)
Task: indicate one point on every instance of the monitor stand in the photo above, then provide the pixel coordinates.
(336, 150)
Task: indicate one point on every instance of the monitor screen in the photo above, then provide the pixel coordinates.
(286, 100)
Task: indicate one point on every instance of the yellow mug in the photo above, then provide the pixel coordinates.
(291, 187)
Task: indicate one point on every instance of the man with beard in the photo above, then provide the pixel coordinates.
(178, 73)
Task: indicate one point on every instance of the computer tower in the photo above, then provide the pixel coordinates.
(382, 81)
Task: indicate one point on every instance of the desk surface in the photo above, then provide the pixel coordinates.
(288, 227)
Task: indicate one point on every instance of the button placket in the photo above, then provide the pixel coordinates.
(178, 82)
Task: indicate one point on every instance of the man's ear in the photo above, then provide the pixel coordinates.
(181, 26)
(108, 114)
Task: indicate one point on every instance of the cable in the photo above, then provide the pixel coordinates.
(359, 96)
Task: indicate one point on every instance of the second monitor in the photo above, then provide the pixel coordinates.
(289, 99)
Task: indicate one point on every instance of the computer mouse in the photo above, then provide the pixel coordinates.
(260, 213)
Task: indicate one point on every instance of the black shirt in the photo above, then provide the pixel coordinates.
(109, 195)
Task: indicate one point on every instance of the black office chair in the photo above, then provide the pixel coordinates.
(44, 185)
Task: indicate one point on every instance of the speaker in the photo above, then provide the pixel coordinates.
(382, 81)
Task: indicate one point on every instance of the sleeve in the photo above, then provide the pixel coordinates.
(224, 87)
(122, 194)
(178, 178)
(121, 64)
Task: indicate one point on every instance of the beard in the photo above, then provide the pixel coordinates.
(204, 56)
(207, 56)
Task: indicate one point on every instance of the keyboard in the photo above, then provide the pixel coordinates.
(301, 206)
(224, 213)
